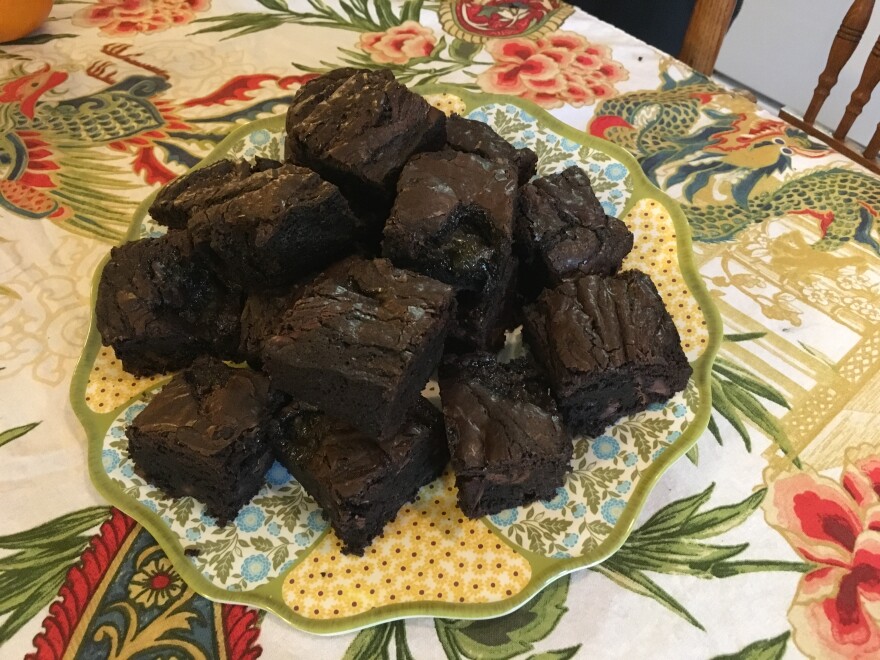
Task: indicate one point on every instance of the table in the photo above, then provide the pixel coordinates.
(765, 544)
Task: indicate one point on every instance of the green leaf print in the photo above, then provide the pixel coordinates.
(182, 509)
(11, 434)
(32, 574)
(242, 23)
(561, 654)
(507, 636)
(744, 336)
(279, 555)
(593, 483)
(746, 381)
(371, 643)
(463, 51)
(766, 649)
(735, 397)
(412, 10)
(672, 542)
(643, 433)
(275, 5)
(538, 534)
(639, 583)
(37, 39)
(400, 646)
(261, 544)
(356, 16)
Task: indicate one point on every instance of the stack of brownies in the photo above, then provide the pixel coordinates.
(394, 243)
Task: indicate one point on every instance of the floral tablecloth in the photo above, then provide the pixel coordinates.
(765, 544)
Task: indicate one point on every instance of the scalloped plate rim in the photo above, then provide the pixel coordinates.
(544, 569)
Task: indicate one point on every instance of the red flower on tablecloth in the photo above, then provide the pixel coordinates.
(155, 583)
(480, 20)
(836, 610)
(399, 44)
(123, 17)
(558, 69)
(91, 596)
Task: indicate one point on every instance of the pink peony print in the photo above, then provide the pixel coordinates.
(836, 610)
(560, 68)
(399, 44)
(126, 17)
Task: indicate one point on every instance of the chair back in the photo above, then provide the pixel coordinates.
(706, 29)
(847, 39)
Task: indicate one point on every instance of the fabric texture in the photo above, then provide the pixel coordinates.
(764, 544)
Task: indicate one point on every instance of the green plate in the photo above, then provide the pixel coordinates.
(431, 561)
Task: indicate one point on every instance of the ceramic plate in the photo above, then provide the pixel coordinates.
(278, 553)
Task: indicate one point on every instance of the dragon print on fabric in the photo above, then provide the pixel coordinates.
(734, 167)
(66, 160)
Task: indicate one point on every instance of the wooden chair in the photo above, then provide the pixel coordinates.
(845, 43)
(706, 29)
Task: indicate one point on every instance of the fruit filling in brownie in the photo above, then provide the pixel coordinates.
(453, 220)
(361, 342)
(562, 231)
(361, 483)
(206, 434)
(160, 305)
(608, 346)
(506, 439)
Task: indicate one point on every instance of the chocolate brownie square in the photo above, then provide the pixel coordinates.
(206, 434)
(562, 231)
(357, 128)
(361, 483)
(476, 137)
(506, 439)
(294, 223)
(160, 305)
(453, 220)
(361, 343)
(608, 346)
(261, 318)
(204, 187)
(484, 316)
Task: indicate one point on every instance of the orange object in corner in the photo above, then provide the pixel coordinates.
(18, 18)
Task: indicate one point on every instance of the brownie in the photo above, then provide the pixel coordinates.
(361, 343)
(206, 434)
(261, 317)
(608, 346)
(160, 305)
(484, 316)
(294, 223)
(562, 231)
(357, 128)
(506, 438)
(453, 220)
(476, 137)
(361, 483)
(204, 187)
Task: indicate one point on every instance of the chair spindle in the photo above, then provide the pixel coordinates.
(708, 25)
(862, 94)
(848, 37)
(873, 147)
